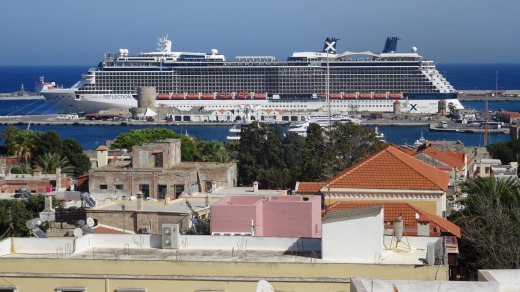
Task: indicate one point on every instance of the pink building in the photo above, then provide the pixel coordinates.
(276, 216)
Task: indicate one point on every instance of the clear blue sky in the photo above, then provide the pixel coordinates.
(71, 32)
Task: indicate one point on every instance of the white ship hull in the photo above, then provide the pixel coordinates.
(64, 99)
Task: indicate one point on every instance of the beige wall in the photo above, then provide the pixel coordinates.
(135, 220)
(172, 275)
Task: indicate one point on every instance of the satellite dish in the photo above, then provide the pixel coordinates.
(264, 286)
(80, 223)
(33, 223)
(78, 232)
(90, 222)
(83, 196)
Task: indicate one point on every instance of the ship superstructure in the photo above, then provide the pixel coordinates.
(356, 81)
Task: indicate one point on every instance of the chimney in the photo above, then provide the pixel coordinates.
(58, 178)
(48, 204)
(140, 202)
(255, 187)
(38, 171)
(102, 156)
(423, 228)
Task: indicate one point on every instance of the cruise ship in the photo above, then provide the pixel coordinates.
(348, 82)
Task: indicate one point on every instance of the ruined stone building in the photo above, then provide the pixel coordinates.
(156, 170)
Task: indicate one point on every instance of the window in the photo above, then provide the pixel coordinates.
(103, 187)
(178, 190)
(208, 186)
(158, 159)
(119, 187)
(161, 192)
(8, 289)
(145, 189)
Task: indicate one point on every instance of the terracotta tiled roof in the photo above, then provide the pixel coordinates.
(309, 187)
(102, 148)
(407, 212)
(391, 169)
(448, 158)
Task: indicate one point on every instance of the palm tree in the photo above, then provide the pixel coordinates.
(23, 146)
(50, 161)
(490, 223)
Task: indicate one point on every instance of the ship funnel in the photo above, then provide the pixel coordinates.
(330, 45)
(391, 44)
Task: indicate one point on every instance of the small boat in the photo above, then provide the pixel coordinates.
(207, 96)
(365, 95)
(178, 96)
(380, 95)
(260, 95)
(193, 96)
(349, 96)
(224, 95)
(162, 96)
(395, 95)
(299, 128)
(420, 141)
(234, 132)
(335, 96)
(379, 135)
(243, 95)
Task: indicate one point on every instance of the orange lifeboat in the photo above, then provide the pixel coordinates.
(364, 95)
(224, 95)
(260, 95)
(335, 96)
(349, 95)
(395, 95)
(178, 96)
(193, 96)
(162, 96)
(207, 96)
(242, 95)
(380, 95)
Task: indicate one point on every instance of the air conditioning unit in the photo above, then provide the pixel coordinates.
(170, 235)
(146, 230)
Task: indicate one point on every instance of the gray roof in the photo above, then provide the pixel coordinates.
(355, 213)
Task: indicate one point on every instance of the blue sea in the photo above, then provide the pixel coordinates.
(461, 76)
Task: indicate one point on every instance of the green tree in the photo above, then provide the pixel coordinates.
(8, 136)
(24, 145)
(505, 151)
(213, 152)
(261, 157)
(292, 143)
(327, 152)
(49, 162)
(490, 223)
(315, 155)
(48, 142)
(73, 151)
(351, 144)
(139, 137)
(15, 213)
